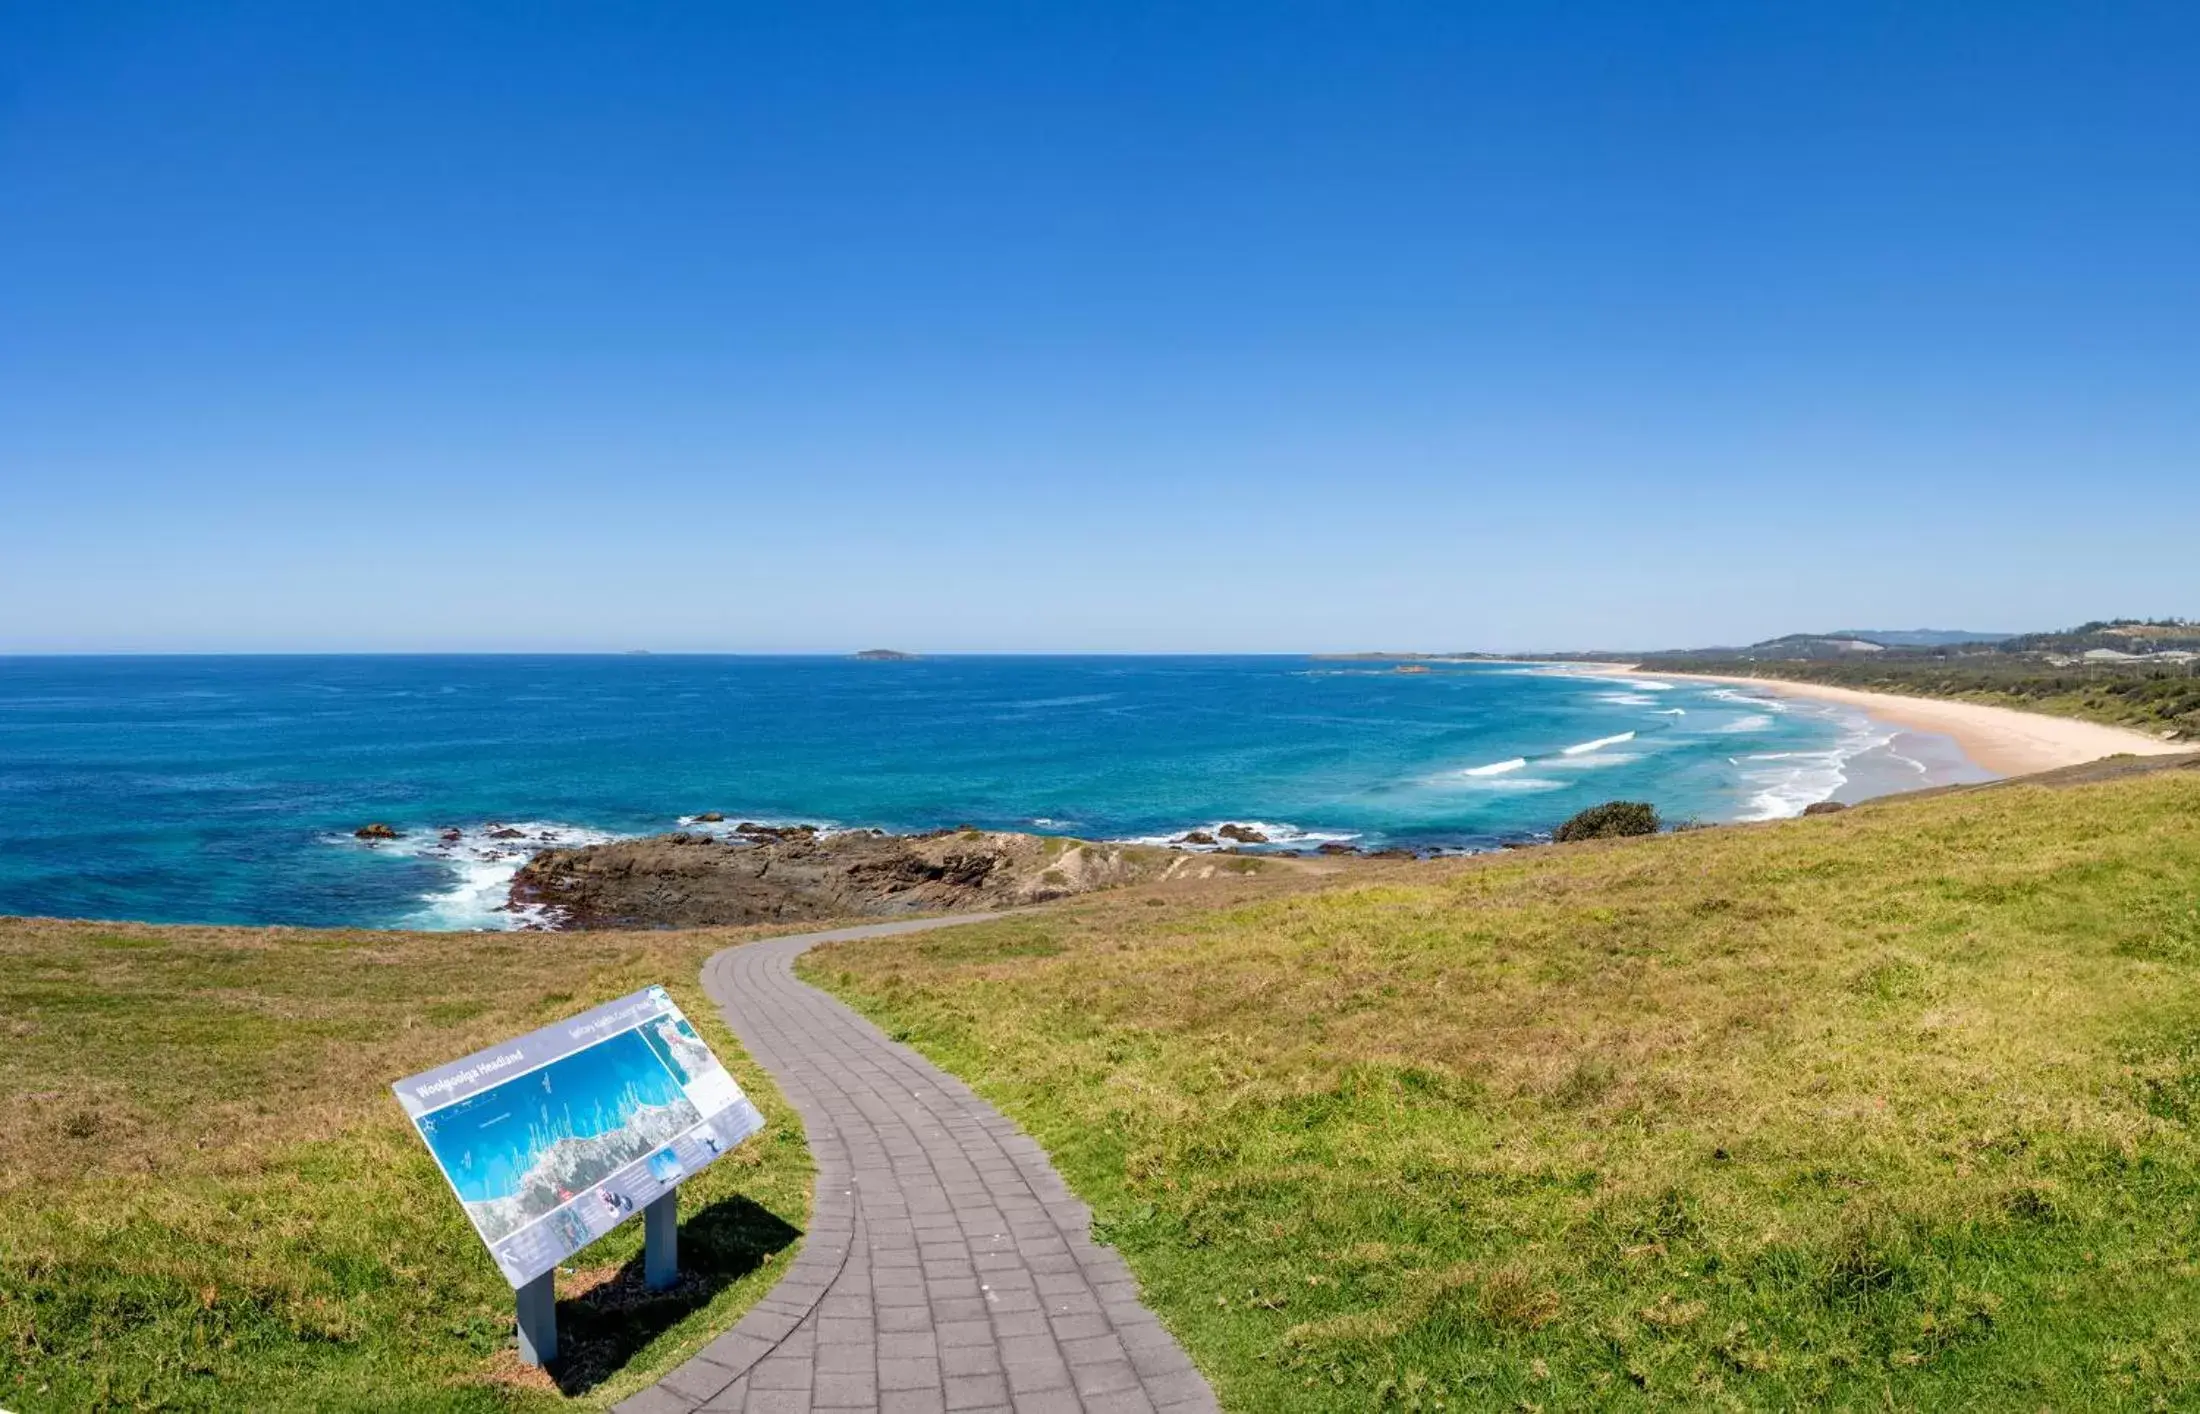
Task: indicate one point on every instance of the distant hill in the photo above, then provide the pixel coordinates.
(1919, 637)
(885, 655)
(2129, 637)
(2134, 636)
(1820, 647)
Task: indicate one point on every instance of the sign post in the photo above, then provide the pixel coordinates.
(538, 1320)
(553, 1139)
(661, 1242)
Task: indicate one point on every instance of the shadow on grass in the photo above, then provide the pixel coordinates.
(614, 1316)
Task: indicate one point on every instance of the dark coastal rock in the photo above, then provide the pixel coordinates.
(506, 832)
(799, 875)
(1243, 834)
(1335, 847)
(749, 829)
(450, 834)
(710, 817)
(377, 831)
(1825, 807)
(1195, 837)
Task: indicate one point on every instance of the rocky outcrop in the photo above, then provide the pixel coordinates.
(754, 831)
(377, 831)
(1243, 834)
(687, 880)
(1824, 807)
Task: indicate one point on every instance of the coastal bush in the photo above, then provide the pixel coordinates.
(1897, 1115)
(1611, 820)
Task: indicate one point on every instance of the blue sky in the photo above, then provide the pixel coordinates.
(1091, 327)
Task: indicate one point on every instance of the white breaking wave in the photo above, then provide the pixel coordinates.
(1748, 699)
(1580, 754)
(1754, 722)
(1286, 835)
(1786, 781)
(1626, 699)
(1592, 761)
(728, 828)
(482, 861)
(1670, 712)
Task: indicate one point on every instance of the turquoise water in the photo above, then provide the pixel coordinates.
(491, 1143)
(224, 790)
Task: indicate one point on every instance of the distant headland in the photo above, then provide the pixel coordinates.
(886, 655)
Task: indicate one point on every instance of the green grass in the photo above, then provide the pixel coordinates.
(209, 1198)
(1891, 1108)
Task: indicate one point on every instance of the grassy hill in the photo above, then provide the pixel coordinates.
(1891, 1108)
(209, 1198)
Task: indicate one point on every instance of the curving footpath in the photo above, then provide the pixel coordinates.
(946, 1266)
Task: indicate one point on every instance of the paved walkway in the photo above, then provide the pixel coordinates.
(946, 1266)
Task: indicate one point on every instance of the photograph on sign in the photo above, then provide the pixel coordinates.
(553, 1139)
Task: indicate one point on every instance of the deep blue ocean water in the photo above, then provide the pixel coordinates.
(225, 790)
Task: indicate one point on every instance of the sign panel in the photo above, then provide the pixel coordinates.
(555, 1138)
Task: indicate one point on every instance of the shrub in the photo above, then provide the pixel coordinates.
(1610, 820)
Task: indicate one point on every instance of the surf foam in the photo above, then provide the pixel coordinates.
(482, 861)
(1282, 836)
(1785, 782)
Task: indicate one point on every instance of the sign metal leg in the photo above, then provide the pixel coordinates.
(538, 1320)
(661, 1242)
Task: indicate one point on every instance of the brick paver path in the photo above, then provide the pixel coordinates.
(946, 1266)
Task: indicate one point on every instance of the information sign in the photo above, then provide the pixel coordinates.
(555, 1138)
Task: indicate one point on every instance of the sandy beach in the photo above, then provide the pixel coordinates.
(2000, 739)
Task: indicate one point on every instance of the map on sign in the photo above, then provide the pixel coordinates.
(555, 1138)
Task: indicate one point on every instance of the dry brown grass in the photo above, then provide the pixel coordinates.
(208, 1195)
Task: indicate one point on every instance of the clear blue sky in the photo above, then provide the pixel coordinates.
(1091, 327)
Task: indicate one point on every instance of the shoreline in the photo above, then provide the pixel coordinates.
(2002, 740)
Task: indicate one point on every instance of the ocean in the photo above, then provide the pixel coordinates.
(226, 790)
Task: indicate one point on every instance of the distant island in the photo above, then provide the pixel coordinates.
(886, 655)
